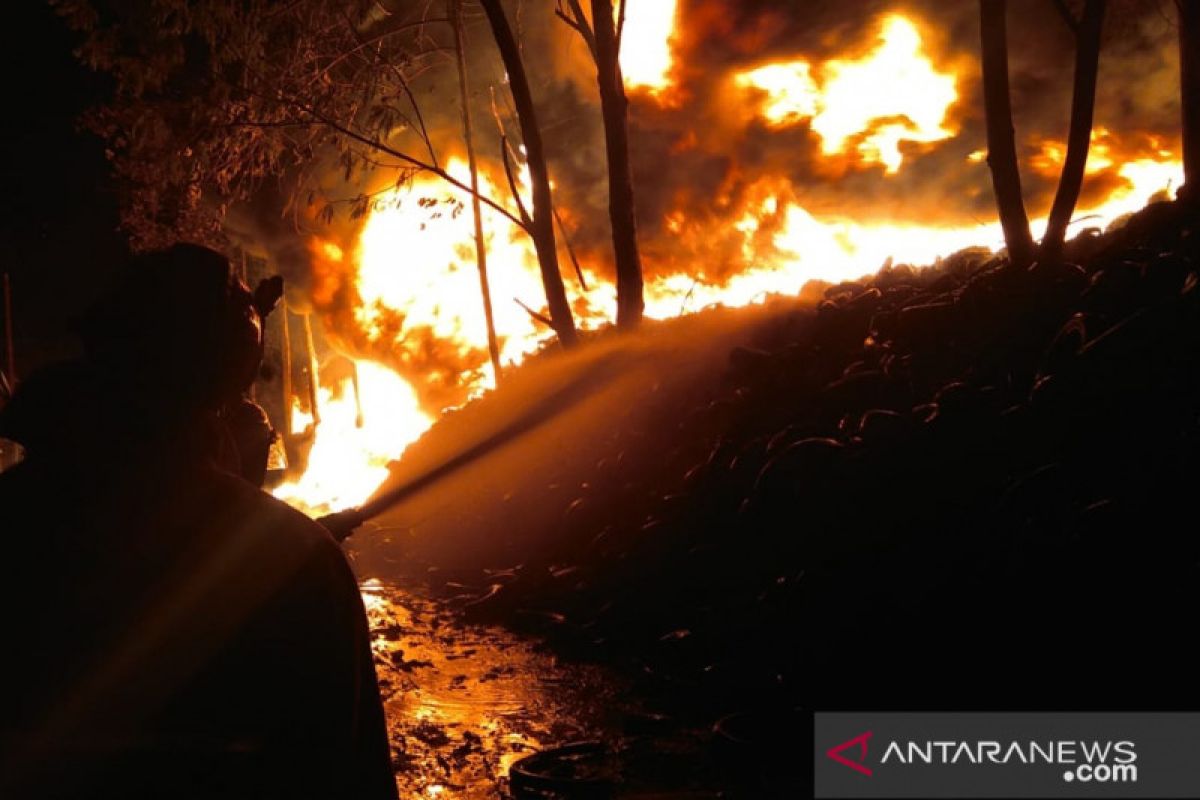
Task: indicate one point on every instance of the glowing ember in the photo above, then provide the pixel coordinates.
(892, 95)
(646, 44)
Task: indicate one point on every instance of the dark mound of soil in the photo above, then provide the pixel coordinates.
(965, 486)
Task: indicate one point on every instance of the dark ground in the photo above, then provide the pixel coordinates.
(950, 489)
(464, 702)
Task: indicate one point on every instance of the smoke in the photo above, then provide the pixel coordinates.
(701, 152)
(702, 155)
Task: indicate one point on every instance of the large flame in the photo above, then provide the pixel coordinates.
(416, 263)
(433, 278)
(893, 94)
(786, 246)
(362, 430)
(415, 274)
(646, 44)
(412, 264)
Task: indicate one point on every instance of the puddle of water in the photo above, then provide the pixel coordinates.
(464, 701)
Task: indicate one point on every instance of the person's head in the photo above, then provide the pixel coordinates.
(181, 325)
(178, 338)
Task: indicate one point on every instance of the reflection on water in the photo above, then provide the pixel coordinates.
(466, 701)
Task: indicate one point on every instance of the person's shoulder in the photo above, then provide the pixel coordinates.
(26, 484)
(14, 486)
(273, 513)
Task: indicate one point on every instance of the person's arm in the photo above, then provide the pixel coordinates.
(341, 524)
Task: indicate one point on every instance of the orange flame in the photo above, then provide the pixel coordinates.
(347, 462)
(412, 264)
(646, 44)
(893, 94)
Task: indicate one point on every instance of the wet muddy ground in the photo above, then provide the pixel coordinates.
(464, 702)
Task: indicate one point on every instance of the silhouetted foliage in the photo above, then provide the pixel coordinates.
(212, 98)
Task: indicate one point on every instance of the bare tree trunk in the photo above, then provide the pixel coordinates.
(359, 420)
(614, 106)
(1001, 140)
(1083, 105)
(244, 274)
(10, 348)
(286, 351)
(314, 376)
(542, 222)
(454, 7)
(1189, 69)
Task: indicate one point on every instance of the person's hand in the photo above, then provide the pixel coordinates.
(342, 524)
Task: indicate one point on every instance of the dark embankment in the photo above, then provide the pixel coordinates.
(958, 487)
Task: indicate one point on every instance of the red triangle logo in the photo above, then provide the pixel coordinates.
(858, 766)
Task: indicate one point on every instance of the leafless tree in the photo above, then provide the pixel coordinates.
(602, 34)
(1001, 138)
(540, 220)
(1087, 30)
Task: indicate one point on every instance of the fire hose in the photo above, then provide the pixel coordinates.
(343, 523)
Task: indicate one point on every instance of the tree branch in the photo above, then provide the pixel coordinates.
(512, 182)
(405, 157)
(254, 123)
(570, 250)
(407, 91)
(539, 317)
(1064, 11)
(367, 42)
(579, 22)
